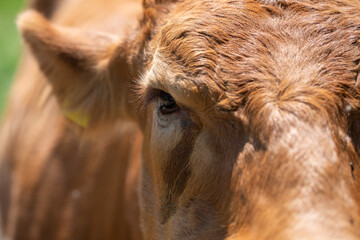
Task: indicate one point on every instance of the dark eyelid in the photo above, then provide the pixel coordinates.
(168, 104)
(166, 97)
(153, 93)
(147, 95)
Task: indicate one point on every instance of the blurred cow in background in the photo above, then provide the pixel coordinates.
(247, 114)
(55, 184)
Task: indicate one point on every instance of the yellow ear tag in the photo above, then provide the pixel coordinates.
(76, 116)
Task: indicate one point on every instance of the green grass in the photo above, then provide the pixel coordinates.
(9, 45)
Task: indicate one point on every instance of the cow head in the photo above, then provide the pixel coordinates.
(249, 110)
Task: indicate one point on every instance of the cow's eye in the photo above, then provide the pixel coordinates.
(168, 104)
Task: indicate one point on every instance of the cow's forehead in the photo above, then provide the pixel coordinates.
(185, 50)
(230, 49)
(193, 94)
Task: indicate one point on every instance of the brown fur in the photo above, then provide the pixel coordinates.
(46, 7)
(54, 183)
(264, 141)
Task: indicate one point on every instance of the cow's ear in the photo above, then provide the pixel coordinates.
(77, 64)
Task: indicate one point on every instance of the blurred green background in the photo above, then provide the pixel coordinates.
(9, 45)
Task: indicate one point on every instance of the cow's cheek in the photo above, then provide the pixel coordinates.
(200, 205)
(160, 138)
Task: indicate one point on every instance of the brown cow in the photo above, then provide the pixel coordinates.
(54, 184)
(250, 112)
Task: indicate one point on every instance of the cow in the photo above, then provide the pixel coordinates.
(55, 183)
(247, 114)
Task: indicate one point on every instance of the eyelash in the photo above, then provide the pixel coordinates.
(168, 105)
